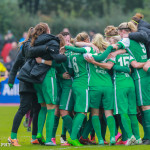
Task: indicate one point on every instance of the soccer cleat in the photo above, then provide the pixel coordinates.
(138, 142)
(65, 144)
(92, 139)
(121, 143)
(53, 140)
(50, 144)
(112, 141)
(13, 142)
(63, 139)
(131, 140)
(34, 141)
(118, 136)
(40, 139)
(85, 141)
(106, 143)
(101, 142)
(74, 142)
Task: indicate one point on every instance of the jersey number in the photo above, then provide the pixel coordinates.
(143, 47)
(124, 61)
(75, 66)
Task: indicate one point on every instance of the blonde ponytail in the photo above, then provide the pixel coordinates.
(82, 37)
(128, 26)
(99, 41)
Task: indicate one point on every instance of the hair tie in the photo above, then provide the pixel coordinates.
(111, 35)
(135, 21)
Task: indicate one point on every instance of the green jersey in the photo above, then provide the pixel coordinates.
(80, 67)
(99, 76)
(63, 67)
(137, 51)
(122, 79)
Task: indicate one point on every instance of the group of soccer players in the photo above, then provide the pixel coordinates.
(91, 84)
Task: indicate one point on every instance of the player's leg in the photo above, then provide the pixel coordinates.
(36, 108)
(66, 106)
(108, 104)
(42, 113)
(30, 120)
(87, 129)
(81, 108)
(95, 102)
(143, 99)
(132, 111)
(25, 106)
(56, 123)
(123, 106)
(49, 89)
(57, 111)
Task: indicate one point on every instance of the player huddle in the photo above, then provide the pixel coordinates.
(108, 78)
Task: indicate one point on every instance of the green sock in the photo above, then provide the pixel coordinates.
(67, 120)
(41, 119)
(49, 124)
(103, 127)
(33, 137)
(56, 122)
(77, 123)
(97, 127)
(82, 127)
(111, 125)
(147, 123)
(64, 129)
(144, 128)
(135, 126)
(124, 134)
(148, 70)
(126, 124)
(13, 135)
(87, 129)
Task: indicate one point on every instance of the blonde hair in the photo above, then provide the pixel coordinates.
(82, 37)
(99, 41)
(128, 26)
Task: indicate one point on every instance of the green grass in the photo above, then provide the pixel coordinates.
(6, 118)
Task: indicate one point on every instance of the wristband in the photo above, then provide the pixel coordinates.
(43, 61)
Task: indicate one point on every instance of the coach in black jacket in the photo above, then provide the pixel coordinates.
(28, 98)
(47, 47)
(143, 33)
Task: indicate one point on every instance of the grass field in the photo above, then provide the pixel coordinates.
(6, 117)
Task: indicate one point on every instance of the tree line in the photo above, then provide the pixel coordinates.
(77, 15)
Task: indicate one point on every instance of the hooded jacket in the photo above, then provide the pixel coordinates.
(142, 35)
(46, 46)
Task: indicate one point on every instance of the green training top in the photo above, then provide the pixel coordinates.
(62, 68)
(80, 67)
(137, 51)
(99, 76)
(122, 79)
